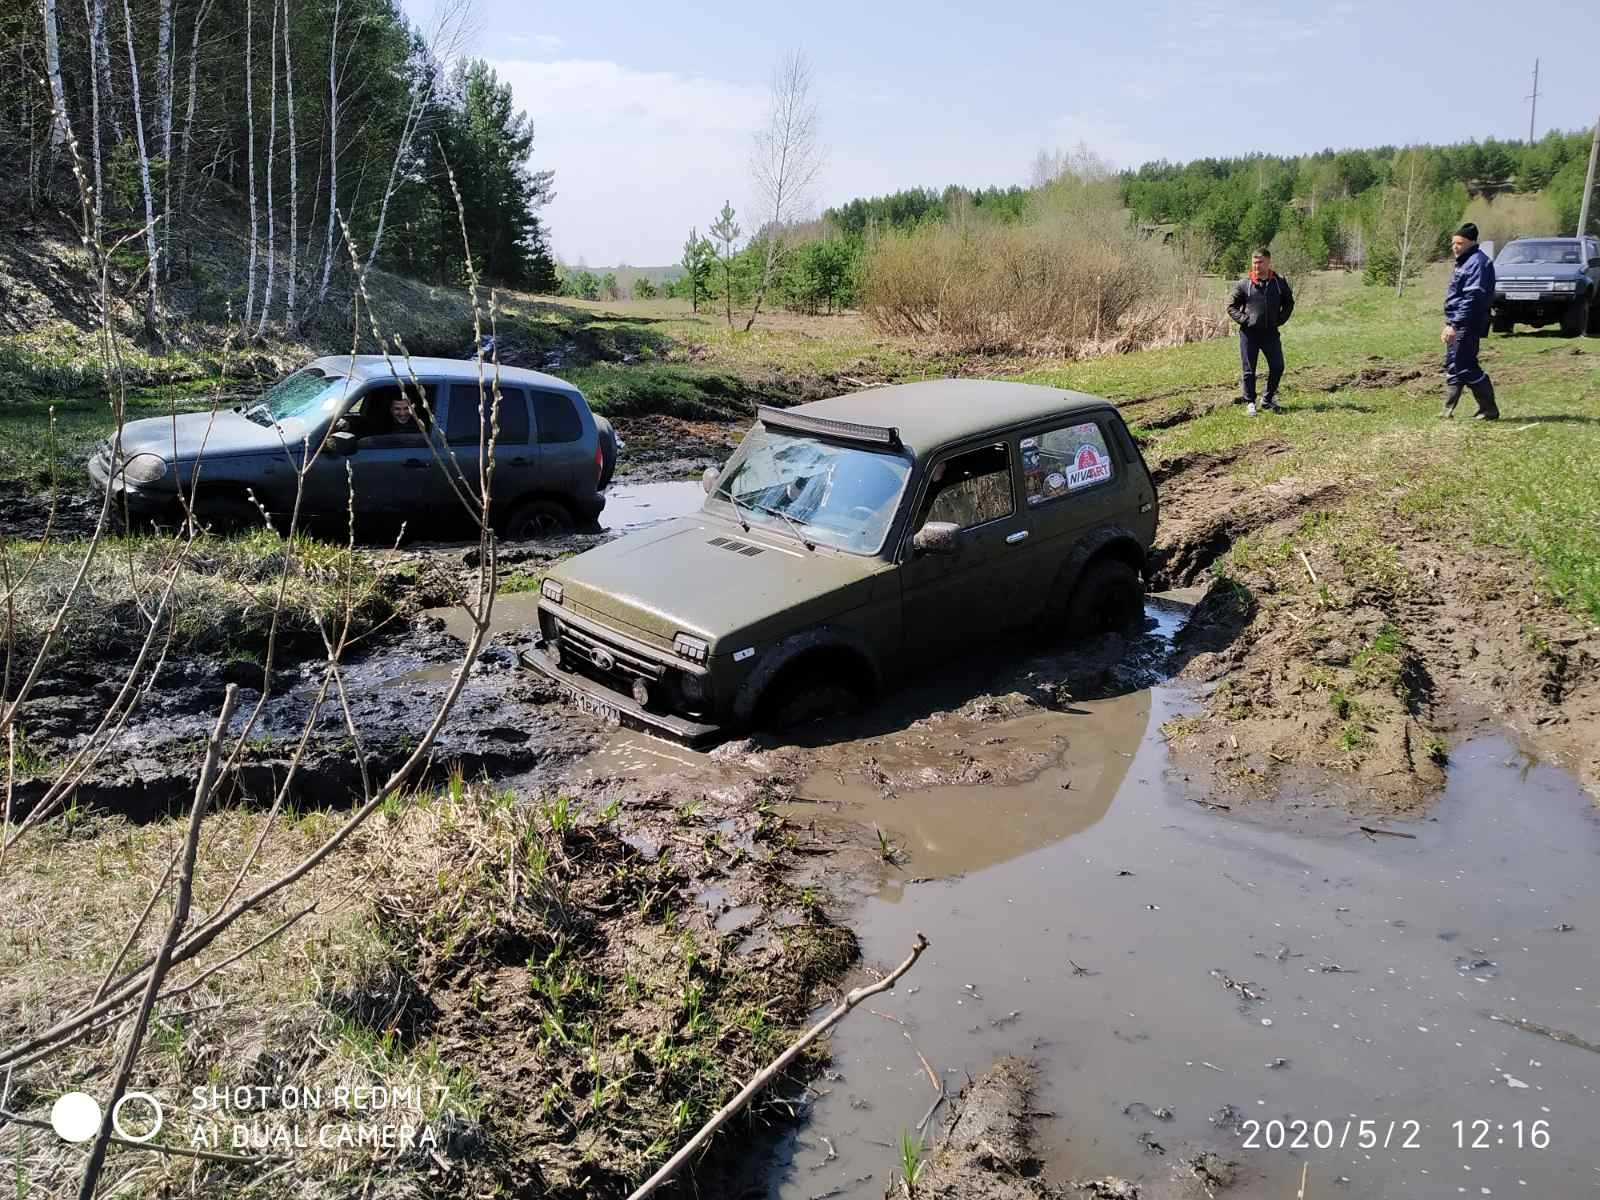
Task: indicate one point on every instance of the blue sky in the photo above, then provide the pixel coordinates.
(645, 111)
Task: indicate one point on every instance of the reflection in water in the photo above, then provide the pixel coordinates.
(1379, 963)
(631, 506)
(957, 828)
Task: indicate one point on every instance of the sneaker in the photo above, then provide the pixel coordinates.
(1485, 416)
(1270, 406)
(1249, 410)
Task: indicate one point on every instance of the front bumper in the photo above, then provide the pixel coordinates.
(139, 501)
(596, 697)
(599, 666)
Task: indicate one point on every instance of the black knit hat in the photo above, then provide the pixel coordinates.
(1469, 231)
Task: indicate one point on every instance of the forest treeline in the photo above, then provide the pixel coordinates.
(1333, 208)
(299, 119)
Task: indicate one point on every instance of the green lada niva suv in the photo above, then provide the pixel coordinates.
(849, 542)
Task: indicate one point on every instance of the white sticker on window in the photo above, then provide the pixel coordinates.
(1088, 467)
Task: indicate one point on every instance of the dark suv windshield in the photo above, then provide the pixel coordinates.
(297, 403)
(840, 496)
(1541, 252)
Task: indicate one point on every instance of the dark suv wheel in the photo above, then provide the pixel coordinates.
(1108, 596)
(537, 519)
(1576, 319)
(1502, 322)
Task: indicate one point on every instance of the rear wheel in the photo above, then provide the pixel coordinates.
(1575, 319)
(607, 434)
(537, 519)
(1107, 596)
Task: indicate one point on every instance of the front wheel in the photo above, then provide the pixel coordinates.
(1503, 322)
(1575, 319)
(1108, 596)
(537, 519)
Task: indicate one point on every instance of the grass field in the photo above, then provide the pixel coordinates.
(1362, 394)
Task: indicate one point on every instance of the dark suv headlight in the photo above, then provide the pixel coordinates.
(143, 468)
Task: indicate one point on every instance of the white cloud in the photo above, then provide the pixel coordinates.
(639, 156)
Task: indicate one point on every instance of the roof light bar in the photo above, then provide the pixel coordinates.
(849, 431)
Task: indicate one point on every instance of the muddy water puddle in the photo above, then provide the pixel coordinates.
(632, 506)
(1186, 981)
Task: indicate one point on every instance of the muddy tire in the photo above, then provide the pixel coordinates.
(537, 519)
(224, 513)
(806, 698)
(607, 434)
(1503, 323)
(1108, 596)
(1575, 320)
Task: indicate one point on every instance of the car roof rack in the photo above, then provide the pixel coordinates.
(847, 431)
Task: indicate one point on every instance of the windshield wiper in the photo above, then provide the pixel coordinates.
(792, 523)
(738, 506)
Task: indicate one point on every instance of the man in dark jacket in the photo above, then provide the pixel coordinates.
(1260, 306)
(1466, 319)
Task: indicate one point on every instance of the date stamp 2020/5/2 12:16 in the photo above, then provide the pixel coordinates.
(1392, 1133)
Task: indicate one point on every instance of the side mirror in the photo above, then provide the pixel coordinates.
(342, 443)
(709, 479)
(936, 537)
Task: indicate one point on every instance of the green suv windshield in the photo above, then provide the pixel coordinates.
(839, 496)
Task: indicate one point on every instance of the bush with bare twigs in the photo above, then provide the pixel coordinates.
(1072, 283)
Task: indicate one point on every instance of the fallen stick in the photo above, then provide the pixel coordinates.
(1372, 831)
(1315, 582)
(770, 1072)
(1556, 1035)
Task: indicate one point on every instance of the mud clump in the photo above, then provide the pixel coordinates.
(986, 1148)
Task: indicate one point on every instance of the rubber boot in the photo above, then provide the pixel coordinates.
(1483, 393)
(1451, 396)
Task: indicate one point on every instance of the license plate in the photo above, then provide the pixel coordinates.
(1522, 295)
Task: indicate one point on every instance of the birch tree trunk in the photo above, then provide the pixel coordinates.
(144, 171)
(102, 66)
(188, 116)
(250, 152)
(95, 18)
(272, 146)
(52, 59)
(294, 177)
(164, 115)
(333, 153)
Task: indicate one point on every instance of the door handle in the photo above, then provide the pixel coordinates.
(1020, 535)
(520, 460)
(414, 464)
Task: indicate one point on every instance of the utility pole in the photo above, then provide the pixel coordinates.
(1588, 183)
(1534, 97)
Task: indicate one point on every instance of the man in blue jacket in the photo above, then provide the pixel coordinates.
(1466, 320)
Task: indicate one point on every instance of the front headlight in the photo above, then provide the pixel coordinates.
(691, 648)
(144, 468)
(550, 589)
(1564, 285)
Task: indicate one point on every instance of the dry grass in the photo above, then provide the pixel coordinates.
(223, 599)
(1064, 285)
(538, 991)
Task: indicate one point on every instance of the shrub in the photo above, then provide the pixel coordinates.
(1069, 282)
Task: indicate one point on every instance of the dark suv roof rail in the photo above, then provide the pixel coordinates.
(848, 431)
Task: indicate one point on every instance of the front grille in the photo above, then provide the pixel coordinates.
(605, 655)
